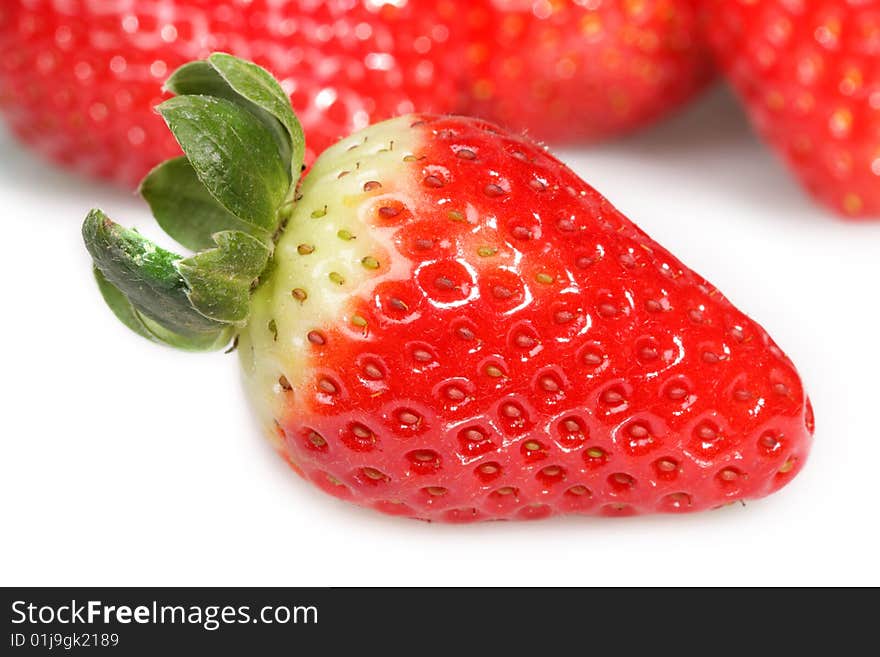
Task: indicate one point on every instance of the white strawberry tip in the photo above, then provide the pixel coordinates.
(329, 251)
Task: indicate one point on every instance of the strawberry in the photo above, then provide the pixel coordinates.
(571, 69)
(809, 75)
(443, 321)
(79, 79)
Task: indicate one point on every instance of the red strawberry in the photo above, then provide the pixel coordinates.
(572, 69)
(452, 325)
(79, 79)
(809, 75)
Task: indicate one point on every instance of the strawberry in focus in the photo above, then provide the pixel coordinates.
(809, 75)
(443, 321)
(568, 70)
(79, 80)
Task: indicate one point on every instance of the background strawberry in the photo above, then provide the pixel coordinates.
(572, 69)
(79, 79)
(809, 75)
(451, 325)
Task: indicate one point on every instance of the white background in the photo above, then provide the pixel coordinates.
(124, 463)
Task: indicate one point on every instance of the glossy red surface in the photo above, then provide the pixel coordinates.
(79, 79)
(809, 74)
(545, 357)
(573, 70)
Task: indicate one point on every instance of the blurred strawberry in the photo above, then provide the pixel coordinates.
(583, 69)
(809, 74)
(79, 79)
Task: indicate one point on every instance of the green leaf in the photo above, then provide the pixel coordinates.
(207, 342)
(153, 331)
(225, 76)
(202, 79)
(225, 199)
(220, 280)
(261, 88)
(198, 78)
(121, 306)
(186, 210)
(233, 155)
(133, 268)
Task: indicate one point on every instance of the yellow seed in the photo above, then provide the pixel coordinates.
(852, 203)
(305, 249)
(317, 214)
(483, 89)
(344, 235)
(840, 122)
(494, 371)
(336, 277)
(595, 452)
(775, 100)
(544, 279)
(299, 294)
(357, 320)
(486, 251)
(361, 431)
(532, 445)
(370, 262)
(455, 215)
(591, 24)
(851, 81)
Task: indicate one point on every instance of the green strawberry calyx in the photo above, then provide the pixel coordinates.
(227, 199)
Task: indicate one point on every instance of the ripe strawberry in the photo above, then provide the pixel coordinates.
(809, 75)
(79, 79)
(570, 69)
(451, 324)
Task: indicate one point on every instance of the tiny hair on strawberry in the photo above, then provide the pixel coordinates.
(442, 321)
